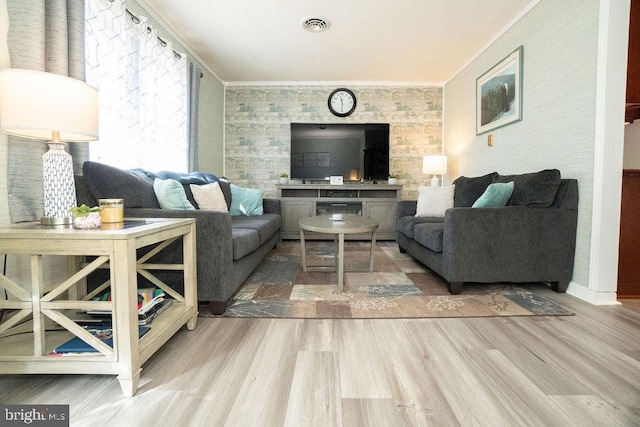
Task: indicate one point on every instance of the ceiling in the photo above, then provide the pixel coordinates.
(400, 41)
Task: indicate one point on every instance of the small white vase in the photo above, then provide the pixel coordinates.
(392, 181)
(284, 180)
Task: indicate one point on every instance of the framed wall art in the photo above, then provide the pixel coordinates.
(499, 94)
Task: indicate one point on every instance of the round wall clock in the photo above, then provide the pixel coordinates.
(342, 102)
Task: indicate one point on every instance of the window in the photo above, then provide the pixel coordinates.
(142, 86)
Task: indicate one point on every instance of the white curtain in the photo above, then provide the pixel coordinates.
(143, 91)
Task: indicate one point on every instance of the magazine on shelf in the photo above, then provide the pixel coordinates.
(147, 299)
(104, 332)
(143, 319)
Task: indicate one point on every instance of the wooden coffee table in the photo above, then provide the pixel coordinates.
(350, 224)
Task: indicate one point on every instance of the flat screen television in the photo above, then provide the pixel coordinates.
(354, 151)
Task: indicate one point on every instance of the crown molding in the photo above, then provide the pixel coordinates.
(333, 83)
(169, 29)
(493, 39)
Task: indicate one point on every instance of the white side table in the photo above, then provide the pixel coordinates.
(116, 248)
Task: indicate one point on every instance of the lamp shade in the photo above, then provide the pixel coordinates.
(434, 165)
(34, 104)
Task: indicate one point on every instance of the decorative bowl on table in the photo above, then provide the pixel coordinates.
(86, 218)
(88, 222)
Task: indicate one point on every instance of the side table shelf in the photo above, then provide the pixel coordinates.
(40, 321)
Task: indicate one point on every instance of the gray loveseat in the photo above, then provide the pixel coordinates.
(228, 247)
(531, 239)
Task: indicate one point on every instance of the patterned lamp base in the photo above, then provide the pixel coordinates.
(59, 187)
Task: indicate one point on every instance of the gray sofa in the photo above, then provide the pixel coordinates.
(228, 247)
(531, 239)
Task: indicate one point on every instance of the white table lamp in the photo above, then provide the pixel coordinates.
(39, 105)
(434, 165)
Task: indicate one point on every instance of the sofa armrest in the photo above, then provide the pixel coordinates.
(271, 206)
(213, 246)
(513, 243)
(207, 220)
(406, 208)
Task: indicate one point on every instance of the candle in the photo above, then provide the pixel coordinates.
(112, 210)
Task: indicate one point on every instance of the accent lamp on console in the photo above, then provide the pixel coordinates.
(434, 165)
(40, 105)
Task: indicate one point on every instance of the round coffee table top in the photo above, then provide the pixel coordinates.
(350, 224)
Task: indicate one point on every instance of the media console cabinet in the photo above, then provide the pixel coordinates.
(375, 201)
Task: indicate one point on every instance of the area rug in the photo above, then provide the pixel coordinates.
(399, 287)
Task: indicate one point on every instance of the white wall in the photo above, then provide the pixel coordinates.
(211, 126)
(562, 126)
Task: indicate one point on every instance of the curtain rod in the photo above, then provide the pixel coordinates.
(136, 20)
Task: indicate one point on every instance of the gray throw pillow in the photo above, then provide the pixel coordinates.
(533, 189)
(468, 190)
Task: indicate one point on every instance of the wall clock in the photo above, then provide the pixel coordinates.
(342, 102)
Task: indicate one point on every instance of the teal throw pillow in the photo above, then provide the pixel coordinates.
(245, 201)
(495, 196)
(170, 194)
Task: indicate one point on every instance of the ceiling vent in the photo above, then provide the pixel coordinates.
(316, 25)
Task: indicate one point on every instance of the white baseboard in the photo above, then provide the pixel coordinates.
(592, 297)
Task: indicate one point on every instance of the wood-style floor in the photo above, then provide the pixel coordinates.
(579, 370)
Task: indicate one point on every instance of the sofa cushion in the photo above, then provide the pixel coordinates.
(469, 189)
(171, 195)
(245, 201)
(209, 197)
(266, 225)
(430, 235)
(244, 241)
(406, 225)
(434, 201)
(495, 196)
(108, 182)
(533, 189)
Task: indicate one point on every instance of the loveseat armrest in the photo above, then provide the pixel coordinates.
(510, 244)
(406, 208)
(271, 206)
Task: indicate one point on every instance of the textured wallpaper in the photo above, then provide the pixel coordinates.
(258, 118)
(557, 130)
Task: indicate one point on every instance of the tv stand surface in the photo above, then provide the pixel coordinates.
(376, 201)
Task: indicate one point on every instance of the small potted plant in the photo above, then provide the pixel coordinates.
(85, 217)
(393, 178)
(284, 178)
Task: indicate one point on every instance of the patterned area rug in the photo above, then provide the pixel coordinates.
(399, 287)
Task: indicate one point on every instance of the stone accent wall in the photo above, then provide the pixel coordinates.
(258, 118)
